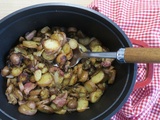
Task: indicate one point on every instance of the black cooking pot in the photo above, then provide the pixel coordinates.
(91, 23)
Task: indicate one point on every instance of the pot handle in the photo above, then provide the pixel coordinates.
(149, 73)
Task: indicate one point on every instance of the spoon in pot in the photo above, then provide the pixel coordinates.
(123, 55)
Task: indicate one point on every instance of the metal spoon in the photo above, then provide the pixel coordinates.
(123, 55)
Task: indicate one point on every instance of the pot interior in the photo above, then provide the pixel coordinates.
(91, 23)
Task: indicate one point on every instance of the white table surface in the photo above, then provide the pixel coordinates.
(9, 6)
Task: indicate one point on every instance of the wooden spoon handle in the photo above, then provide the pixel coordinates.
(142, 55)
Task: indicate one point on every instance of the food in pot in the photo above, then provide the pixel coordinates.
(39, 77)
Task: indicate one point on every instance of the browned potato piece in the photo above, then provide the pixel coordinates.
(57, 36)
(51, 45)
(58, 79)
(40, 47)
(40, 65)
(23, 77)
(66, 48)
(79, 70)
(68, 74)
(35, 92)
(45, 109)
(85, 41)
(44, 70)
(52, 97)
(75, 69)
(52, 84)
(16, 71)
(83, 48)
(30, 44)
(84, 76)
(55, 107)
(24, 109)
(73, 43)
(33, 98)
(101, 86)
(93, 60)
(61, 59)
(95, 96)
(45, 29)
(44, 93)
(61, 111)
(94, 43)
(98, 77)
(31, 104)
(90, 86)
(45, 80)
(66, 81)
(32, 79)
(37, 75)
(37, 39)
(97, 48)
(48, 56)
(112, 77)
(82, 91)
(69, 55)
(73, 79)
(82, 104)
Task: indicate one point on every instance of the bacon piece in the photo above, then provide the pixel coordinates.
(61, 99)
(107, 62)
(28, 87)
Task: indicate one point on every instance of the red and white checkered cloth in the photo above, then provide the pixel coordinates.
(139, 19)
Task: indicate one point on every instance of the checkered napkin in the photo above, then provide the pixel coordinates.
(140, 20)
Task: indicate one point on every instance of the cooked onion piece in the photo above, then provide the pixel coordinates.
(30, 44)
(30, 35)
